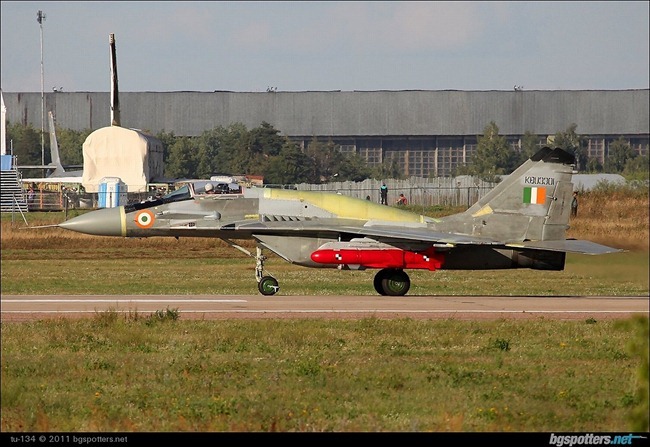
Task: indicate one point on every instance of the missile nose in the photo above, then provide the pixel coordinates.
(103, 222)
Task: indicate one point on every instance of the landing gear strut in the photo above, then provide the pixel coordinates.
(267, 285)
(392, 282)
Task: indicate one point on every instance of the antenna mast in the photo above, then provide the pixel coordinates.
(115, 96)
(40, 16)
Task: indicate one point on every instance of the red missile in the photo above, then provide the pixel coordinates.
(380, 258)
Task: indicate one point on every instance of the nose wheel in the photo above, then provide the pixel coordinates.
(267, 285)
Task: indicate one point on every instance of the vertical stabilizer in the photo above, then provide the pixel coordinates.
(54, 148)
(531, 204)
(115, 96)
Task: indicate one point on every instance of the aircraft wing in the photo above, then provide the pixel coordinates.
(416, 235)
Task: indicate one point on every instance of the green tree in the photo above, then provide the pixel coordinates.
(167, 139)
(264, 143)
(24, 142)
(210, 149)
(493, 156)
(325, 161)
(637, 168)
(266, 140)
(70, 144)
(594, 166)
(388, 169)
(328, 162)
(183, 160)
(618, 154)
(529, 146)
(290, 166)
(237, 153)
(354, 168)
(575, 144)
(233, 149)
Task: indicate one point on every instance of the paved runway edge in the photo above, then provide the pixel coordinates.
(212, 307)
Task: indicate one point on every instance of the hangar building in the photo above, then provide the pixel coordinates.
(428, 133)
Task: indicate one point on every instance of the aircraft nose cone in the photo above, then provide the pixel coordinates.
(103, 222)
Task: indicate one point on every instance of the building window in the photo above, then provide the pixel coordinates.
(640, 145)
(399, 157)
(348, 149)
(422, 163)
(596, 149)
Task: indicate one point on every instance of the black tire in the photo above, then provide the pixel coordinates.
(395, 282)
(377, 282)
(268, 285)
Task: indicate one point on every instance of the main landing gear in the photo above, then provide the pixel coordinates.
(387, 282)
(266, 284)
(392, 282)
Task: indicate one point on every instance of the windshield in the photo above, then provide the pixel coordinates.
(181, 193)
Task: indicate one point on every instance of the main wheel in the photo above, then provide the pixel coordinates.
(379, 277)
(395, 282)
(268, 285)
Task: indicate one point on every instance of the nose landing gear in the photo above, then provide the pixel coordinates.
(267, 285)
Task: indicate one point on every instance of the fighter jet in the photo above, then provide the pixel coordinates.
(521, 223)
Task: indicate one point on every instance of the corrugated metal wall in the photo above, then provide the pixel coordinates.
(377, 113)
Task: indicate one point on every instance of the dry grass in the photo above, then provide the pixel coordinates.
(616, 218)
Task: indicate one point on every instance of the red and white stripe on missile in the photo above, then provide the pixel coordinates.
(377, 256)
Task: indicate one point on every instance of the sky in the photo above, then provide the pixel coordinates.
(297, 46)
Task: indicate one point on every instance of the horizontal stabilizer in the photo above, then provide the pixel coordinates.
(569, 245)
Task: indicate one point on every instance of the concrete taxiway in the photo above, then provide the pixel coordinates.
(212, 307)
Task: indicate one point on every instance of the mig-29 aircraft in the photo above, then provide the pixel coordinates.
(521, 223)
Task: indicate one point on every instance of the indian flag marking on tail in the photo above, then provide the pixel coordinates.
(534, 195)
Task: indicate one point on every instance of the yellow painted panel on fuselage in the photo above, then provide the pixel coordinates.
(344, 206)
(483, 211)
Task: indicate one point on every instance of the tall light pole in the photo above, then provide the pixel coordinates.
(40, 16)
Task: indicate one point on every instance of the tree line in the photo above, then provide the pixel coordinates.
(235, 149)
(494, 155)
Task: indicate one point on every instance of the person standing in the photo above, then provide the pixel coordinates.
(574, 204)
(30, 195)
(383, 193)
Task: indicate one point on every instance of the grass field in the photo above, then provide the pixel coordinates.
(121, 272)
(149, 373)
(146, 373)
